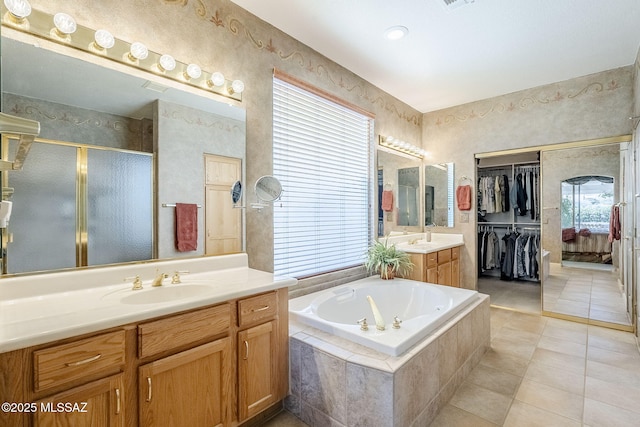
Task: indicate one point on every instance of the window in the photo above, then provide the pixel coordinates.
(322, 154)
(586, 203)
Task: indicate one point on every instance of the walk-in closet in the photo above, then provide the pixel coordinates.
(509, 250)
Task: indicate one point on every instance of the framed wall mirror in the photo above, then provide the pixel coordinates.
(399, 205)
(438, 195)
(146, 145)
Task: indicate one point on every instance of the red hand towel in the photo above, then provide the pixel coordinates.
(463, 197)
(186, 227)
(387, 200)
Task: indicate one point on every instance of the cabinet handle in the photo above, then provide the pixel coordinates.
(117, 401)
(246, 350)
(149, 389)
(266, 307)
(82, 362)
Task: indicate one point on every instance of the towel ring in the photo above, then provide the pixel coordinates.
(463, 179)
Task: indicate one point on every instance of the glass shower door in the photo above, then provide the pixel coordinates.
(119, 207)
(43, 220)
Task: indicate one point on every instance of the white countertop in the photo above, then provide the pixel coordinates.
(417, 243)
(37, 309)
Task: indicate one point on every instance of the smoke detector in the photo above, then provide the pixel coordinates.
(455, 4)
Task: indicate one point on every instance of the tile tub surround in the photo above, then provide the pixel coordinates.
(40, 308)
(336, 382)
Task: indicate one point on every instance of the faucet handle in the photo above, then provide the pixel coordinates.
(137, 283)
(396, 322)
(363, 324)
(176, 276)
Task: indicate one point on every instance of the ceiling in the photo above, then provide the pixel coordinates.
(480, 50)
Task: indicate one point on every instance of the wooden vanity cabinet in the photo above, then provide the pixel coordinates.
(441, 267)
(220, 365)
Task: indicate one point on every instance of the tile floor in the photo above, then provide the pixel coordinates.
(588, 293)
(518, 295)
(546, 372)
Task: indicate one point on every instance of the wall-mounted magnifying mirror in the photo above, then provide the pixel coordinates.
(236, 194)
(268, 189)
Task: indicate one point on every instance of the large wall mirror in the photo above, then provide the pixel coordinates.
(139, 145)
(438, 195)
(402, 205)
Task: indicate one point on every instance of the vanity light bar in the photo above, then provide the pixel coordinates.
(66, 32)
(401, 146)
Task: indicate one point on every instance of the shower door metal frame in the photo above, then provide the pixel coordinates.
(82, 199)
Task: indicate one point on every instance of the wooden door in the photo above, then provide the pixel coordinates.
(257, 371)
(223, 222)
(104, 406)
(191, 388)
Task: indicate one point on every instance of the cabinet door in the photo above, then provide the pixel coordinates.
(190, 388)
(455, 273)
(432, 274)
(104, 406)
(444, 274)
(257, 376)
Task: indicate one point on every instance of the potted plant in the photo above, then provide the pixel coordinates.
(387, 260)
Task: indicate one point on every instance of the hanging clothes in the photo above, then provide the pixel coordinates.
(521, 196)
(493, 192)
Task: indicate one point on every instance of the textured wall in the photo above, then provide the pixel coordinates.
(589, 107)
(67, 123)
(218, 35)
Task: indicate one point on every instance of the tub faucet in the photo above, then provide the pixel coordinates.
(376, 314)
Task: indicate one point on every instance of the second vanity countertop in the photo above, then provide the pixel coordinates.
(42, 308)
(417, 243)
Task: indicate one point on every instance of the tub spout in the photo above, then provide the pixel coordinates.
(376, 314)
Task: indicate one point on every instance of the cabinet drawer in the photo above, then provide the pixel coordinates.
(432, 259)
(83, 358)
(182, 329)
(444, 256)
(455, 252)
(257, 308)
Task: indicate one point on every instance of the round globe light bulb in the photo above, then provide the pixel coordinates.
(167, 63)
(193, 71)
(138, 51)
(237, 86)
(64, 23)
(104, 39)
(18, 8)
(217, 79)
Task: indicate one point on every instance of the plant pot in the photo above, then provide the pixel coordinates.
(390, 273)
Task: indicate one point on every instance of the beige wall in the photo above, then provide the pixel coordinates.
(218, 35)
(589, 107)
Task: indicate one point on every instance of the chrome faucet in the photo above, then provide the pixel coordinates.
(158, 280)
(376, 314)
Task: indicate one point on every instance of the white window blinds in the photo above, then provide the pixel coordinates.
(322, 156)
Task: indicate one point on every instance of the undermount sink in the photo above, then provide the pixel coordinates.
(165, 294)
